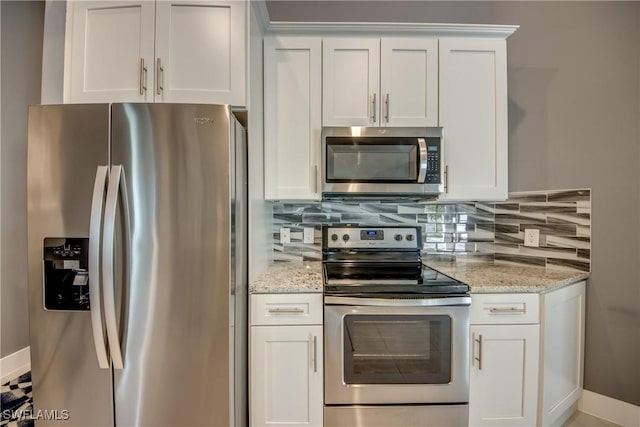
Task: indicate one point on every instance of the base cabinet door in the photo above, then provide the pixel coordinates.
(504, 375)
(286, 376)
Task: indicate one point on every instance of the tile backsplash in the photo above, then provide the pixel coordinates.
(461, 232)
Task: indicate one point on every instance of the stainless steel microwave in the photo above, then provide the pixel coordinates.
(374, 162)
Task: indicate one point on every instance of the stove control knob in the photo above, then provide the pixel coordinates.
(410, 237)
(398, 237)
(345, 237)
(334, 237)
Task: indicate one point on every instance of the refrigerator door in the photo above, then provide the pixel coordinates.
(178, 349)
(66, 145)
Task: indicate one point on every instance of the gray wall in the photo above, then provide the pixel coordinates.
(574, 108)
(21, 49)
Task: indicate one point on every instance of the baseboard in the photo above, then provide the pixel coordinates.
(15, 364)
(607, 408)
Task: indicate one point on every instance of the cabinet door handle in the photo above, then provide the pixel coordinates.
(507, 310)
(315, 179)
(315, 353)
(159, 77)
(373, 117)
(479, 358)
(386, 105)
(142, 84)
(286, 310)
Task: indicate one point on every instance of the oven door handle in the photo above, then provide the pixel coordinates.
(393, 302)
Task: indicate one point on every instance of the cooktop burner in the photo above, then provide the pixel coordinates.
(380, 261)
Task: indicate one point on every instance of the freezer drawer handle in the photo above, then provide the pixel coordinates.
(116, 187)
(97, 205)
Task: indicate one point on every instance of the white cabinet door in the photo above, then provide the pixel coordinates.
(409, 82)
(286, 376)
(351, 82)
(504, 381)
(200, 51)
(563, 344)
(293, 122)
(473, 113)
(111, 42)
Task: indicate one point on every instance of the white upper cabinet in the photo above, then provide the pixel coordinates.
(200, 51)
(380, 82)
(408, 82)
(473, 114)
(292, 125)
(351, 81)
(111, 44)
(165, 51)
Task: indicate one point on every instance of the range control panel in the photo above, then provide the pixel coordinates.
(371, 237)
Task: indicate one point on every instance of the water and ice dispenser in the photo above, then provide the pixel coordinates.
(66, 274)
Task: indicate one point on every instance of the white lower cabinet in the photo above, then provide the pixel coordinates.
(505, 343)
(562, 352)
(504, 377)
(526, 357)
(286, 363)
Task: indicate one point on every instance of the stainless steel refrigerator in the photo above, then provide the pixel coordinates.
(137, 236)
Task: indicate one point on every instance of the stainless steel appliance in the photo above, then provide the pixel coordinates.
(377, 162)
(137, 264)
(396, 332)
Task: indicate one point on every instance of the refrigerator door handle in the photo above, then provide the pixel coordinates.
(97, 205)
(116, 187)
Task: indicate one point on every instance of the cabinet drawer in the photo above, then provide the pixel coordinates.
(285, 309)
(497, 309)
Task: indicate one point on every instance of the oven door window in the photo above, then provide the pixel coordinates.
(397, 349)
(372, 161)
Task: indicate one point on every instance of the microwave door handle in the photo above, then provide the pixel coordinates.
(422, 171)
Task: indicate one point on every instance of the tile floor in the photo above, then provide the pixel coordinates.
(16, 399)
(580, 419)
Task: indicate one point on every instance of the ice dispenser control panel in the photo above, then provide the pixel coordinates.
(66, 274)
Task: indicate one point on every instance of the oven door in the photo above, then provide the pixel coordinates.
(396, 351)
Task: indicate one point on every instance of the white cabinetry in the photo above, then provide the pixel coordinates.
(473, 113)
(293, 123)
(380, 82)
(504, 360)
(527, 357)
(165, 51)
(285, 374)
(562, 349)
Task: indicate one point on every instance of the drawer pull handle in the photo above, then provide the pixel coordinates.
(286, 310)
(507, 310)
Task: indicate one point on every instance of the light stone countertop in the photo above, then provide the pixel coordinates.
(289, 277)
(482, 277)
(496, 277)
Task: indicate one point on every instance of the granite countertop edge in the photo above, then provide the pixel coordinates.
(482, 278)
(494, 277)
(289, 277)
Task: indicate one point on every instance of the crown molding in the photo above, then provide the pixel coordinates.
(453, 30)
(259, 9)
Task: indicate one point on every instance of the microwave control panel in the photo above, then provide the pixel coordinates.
(434, 160)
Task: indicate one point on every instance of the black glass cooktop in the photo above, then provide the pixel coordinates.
(430, 282)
